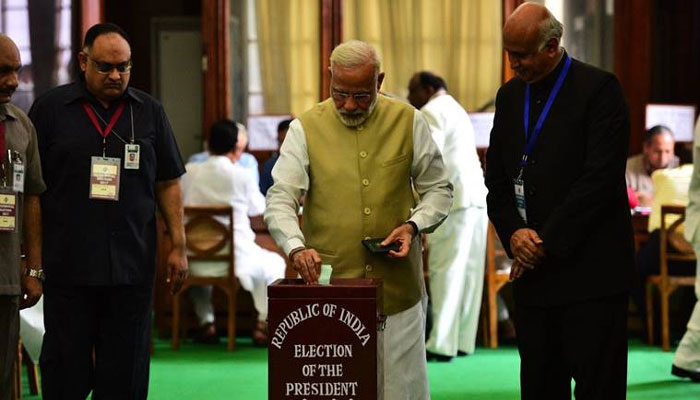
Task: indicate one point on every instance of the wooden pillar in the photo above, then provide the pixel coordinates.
(91, 12)
(331, 36)
(633, 61)
(508, 7)
(216, 80)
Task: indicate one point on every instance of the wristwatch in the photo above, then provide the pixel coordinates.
(37, 273)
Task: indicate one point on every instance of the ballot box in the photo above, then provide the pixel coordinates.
(325, 340)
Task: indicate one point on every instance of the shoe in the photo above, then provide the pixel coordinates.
(260, 337)
(461, 353)
(437, 357)
(684, 373)
(206, 334)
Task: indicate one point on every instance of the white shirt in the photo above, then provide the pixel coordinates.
(454, 135)
(218, 181)
(291, 177)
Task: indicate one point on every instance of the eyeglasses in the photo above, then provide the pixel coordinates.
(342, 97)
(107, 68)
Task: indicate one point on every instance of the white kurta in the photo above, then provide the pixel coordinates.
(218, 181)
(688, 352)
(457, 249)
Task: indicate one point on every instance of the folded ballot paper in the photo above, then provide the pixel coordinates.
(326, 271)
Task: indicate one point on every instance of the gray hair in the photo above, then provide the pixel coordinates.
(550, 28)
(354, 53)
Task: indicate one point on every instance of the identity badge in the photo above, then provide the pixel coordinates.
(8, 211)
(519, 189)
(18, 176)
(104, 178)
(132, 154)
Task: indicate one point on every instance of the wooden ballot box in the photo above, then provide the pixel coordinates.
(325, 340)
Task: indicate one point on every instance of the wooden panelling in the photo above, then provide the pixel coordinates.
(633, 60)
(331, 35)
(91, 12)
(216, 81)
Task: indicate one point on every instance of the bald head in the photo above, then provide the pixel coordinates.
(531, 37)
(10, 64)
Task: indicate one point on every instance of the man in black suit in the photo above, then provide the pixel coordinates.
(557, 197)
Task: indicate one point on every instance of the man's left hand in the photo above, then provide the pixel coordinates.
(31, 291)
(177, 270)
(403, 236)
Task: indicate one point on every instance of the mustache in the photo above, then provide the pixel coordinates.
(352, 113)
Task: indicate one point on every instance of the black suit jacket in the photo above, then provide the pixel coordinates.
(574, 185)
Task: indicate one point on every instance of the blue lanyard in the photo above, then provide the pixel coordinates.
(531, 138)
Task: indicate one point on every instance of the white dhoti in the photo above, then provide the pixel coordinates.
(688, 353)
(255, 269)
(404, 363)
(457, 251)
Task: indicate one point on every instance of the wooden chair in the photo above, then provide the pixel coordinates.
(672, 248)
(208, 239)
(32, 373)
(495, 279)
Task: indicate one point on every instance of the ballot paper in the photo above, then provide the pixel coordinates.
(326, 271)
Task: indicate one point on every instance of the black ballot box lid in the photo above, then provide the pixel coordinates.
(339, 288)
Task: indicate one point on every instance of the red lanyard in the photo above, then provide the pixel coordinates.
(108, 129)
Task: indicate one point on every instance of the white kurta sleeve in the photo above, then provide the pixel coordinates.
(429, 178)
(291, 180)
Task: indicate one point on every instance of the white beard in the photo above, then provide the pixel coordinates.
(353, 120)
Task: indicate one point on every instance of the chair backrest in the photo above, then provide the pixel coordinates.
(209, 234)
(673, 245)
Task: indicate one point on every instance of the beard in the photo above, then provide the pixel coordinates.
(355, 118)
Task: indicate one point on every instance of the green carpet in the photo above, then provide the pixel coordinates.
(209, 372)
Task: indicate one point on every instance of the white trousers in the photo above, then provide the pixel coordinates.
(688, 352)
(457, 253)
(255, 269)
(403, 358)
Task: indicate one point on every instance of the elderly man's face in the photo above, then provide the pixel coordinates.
(9, 68)
(659, 152)
(527, 61)
(354, 92)
(107, 66)
(522, 41)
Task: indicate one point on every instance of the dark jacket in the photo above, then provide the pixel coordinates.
(574, 185)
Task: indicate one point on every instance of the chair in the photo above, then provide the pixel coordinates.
(208, 239)
(495, 280)
(673, 247)
(32, 373)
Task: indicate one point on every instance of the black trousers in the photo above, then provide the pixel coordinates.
(9, 334)
(115, 322)
(586, 341)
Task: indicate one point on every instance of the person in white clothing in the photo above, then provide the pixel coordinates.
(457, 248)
(686, 362)
(220, 180)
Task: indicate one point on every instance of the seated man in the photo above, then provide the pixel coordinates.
(671, 187)
(245, 160)
(266, 173)
(657, 153)
(221, 180)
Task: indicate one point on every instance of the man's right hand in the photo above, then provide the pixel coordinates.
(307, 263)
(527, 247)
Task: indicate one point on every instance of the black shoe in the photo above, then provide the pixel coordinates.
(206, 334)
(684, 373)
(461, 353)
(437, 357)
